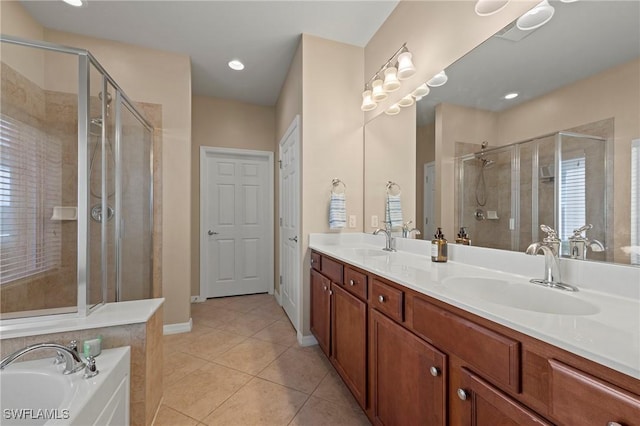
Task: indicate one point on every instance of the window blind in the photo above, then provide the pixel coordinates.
(635, 202)
(30, 186)
(572, 196)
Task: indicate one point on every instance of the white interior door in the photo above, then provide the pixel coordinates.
(429, 197)
(290, 279)
(236, 222)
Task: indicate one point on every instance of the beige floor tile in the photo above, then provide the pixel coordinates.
(247, 324)
(296, 369)
(212, 344)
(170, 417)
(251, 356)
(179, 364)
(318, 412)
(258, 403)
(333, 389)
(272, 311)
(280, 332)
(217, 317)
(200, 392)
(243, 305)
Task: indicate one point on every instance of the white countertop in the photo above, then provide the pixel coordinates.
(108, 315)
(608, 332)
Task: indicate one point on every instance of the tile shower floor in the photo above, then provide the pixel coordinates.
(241, 365)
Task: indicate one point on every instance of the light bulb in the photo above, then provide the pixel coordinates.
(367, 102)
(391, 82)
(405, 66)
(378, 94)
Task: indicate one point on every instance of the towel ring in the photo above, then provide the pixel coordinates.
(336, 184)
(393, 188)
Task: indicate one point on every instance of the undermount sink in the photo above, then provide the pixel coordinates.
(367, 252)
(520, 296)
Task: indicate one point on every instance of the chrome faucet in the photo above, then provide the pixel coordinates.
(406, 231)
(550, 247)
(387, 232)
(578, 244)
(72, 359)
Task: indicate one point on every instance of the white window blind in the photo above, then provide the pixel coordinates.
(30, 185)
(635, 202)
(572, 196)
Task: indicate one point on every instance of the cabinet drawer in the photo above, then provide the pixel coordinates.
(331, 269)
(356, 283)
(495, 356)
(388, 300)
(315, 261)
(580, 399)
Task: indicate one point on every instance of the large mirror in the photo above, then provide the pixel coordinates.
(573, 125)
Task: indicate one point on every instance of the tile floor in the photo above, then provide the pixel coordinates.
(241, 365)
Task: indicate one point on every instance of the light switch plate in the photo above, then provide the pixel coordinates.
(352, 221)
(374, 221)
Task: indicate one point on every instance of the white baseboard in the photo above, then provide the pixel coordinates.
(198, 299)
(182, 327)
(306, 340)
(278, 296)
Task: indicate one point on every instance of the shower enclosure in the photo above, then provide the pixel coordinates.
(504, 194)
(76, 184)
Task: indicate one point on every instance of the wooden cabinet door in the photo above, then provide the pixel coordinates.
(484, 405)
(321, 310)
(349, 341)
(409, 376)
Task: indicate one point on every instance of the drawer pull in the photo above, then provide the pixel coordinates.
(435, 371)
(324, 288)
(614, 424)
(381, 298)
(462, 394)
(352, 283)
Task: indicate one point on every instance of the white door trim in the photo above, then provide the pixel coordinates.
(268, 155)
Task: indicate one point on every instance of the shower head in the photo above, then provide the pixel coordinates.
(487, 163)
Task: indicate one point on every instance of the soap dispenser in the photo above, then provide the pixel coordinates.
(439, 247)
(463, 237)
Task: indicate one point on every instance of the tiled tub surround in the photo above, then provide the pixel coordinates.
(137, 324)
(610, 337)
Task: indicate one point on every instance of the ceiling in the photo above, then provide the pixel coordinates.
(262, 34)
(582, 39)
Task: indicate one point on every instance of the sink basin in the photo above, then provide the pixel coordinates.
(366, 252)
(520, 296)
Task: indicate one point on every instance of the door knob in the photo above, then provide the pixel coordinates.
(211, 232)
(294, 239)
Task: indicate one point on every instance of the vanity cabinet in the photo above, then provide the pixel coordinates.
(321, 310)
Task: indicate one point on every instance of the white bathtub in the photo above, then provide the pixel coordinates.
(37, 393)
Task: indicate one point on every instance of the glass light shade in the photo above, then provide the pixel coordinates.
(407, 101)
(489, 7)
(367, 102)
(393, 110)
(536, 17)
(438, 79)
(421, 91)
(391, 82)
(378, 94)
(405, 66)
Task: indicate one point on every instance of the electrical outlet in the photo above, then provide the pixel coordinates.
(352, 221)
(374, 221)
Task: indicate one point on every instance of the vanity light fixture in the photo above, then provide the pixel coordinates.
(76, 3)
(393, 110)
(511, 95)
(406, 68)
(236, 65)
(399, 67)
(368, 104)
(391, 82)
(438, 80)
(490, 7)
(405, 102)
(536, 17)
(377, 92)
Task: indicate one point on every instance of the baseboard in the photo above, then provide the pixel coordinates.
(182, 327)
(278, 296)
(198, 299)
(306, 340)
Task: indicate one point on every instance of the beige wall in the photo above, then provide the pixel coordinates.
(226, 124)
(390, 155)
(157, 77)
(425, 153)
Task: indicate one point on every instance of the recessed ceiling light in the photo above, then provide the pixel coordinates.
(76, 3)
(511, 95)
(236, 65)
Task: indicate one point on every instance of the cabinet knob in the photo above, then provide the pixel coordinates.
(330, 292)
(313, 261)
(351, 282)
(381, 298)
(614, 424)
(435, 371)
(462, 394)
(324, 288)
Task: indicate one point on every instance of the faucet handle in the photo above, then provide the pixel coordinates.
(552, 235)
(90, 370)
(579, 231)
(59, 359)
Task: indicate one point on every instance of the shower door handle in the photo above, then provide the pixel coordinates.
(212, 232)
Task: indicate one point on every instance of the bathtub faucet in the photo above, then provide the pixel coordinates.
(72, 359)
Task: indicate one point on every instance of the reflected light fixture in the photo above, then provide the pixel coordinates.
(368, 104)
(536, 17)
(377, 92)
(406, 68)
(438, 80)
(421, 91)
(236, 65)
(511, 95)
(76, 3)
(387, 79)
(489, 7)
(393, 110)
(405, 102)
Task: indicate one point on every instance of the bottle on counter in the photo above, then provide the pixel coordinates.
(439, 247)
(463, 237)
